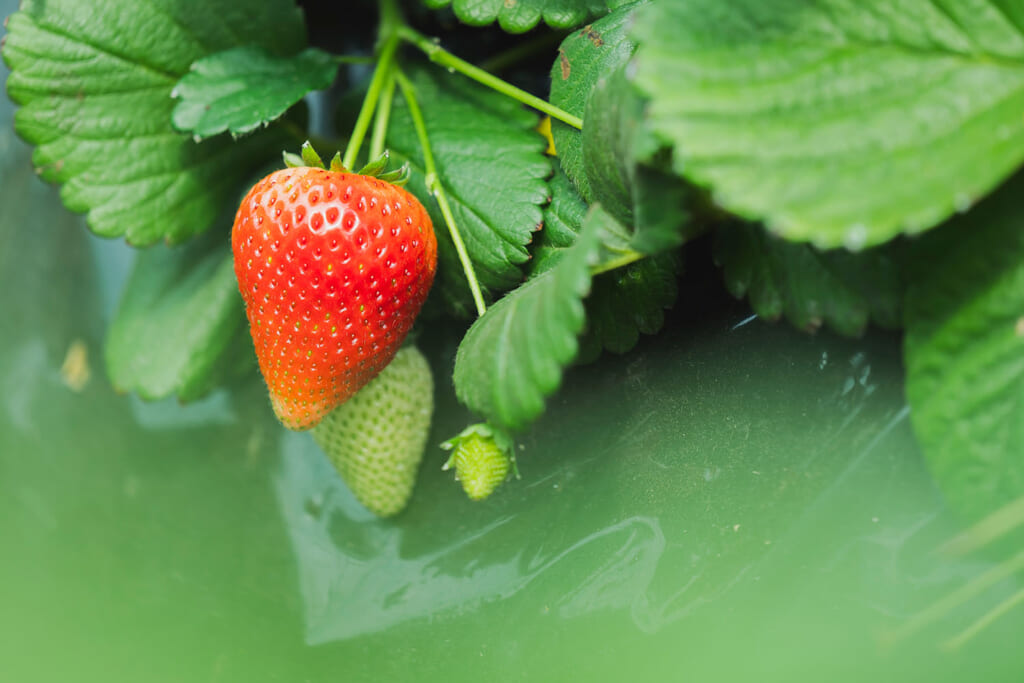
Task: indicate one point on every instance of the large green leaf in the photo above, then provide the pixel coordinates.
(95, 81)
(965, 353)
(491, 164)
(809, 287)
(244, 88)
(583, 58)
(179, 317)
(512, 357)
(519, 16)
(840, 122)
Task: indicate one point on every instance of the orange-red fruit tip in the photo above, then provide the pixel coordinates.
(333, 269)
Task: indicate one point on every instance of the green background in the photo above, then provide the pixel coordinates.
(731, 501)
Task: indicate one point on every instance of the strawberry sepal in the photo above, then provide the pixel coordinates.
(376, 168)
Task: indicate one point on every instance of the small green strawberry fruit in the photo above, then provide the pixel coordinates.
(482, 457)
(376, 439)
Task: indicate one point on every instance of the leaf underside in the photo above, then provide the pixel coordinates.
(964, 352)
(491, 164)
(810, 288)
(244, 88)
(840, 122)
(95, 95)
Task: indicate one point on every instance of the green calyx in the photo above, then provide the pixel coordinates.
(483, 458)
(374, 169)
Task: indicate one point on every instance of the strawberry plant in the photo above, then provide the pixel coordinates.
(838, 165)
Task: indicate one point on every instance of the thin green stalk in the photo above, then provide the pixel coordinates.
(389, 33)
(436, 189)
(439, 55)
(997, 525)
(617, 262)
(380, 122)
(986, 620)
(969, 590)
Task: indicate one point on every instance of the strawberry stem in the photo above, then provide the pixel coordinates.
(620, 261)
(439, 55)
(380, 122)
(435, 188)
(390, 37)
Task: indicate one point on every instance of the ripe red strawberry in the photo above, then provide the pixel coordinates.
(333, 268)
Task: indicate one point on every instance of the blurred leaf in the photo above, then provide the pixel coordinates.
(513, 356)
(492, 166)
(840, 123)
(95, 89)
(964, 352)
(612, 114)
(241, 89)
(178, 319)
(809, 287)
(641, 195)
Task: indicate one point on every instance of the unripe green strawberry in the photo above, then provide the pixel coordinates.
(482, 458)
(333, 268)
(376, 439)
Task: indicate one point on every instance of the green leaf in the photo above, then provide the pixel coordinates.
(491, 164)
(838, 122)
(630, 301)
(512, 357)
(623, 303)
(877, 276)
(964, 351)
(177, 322)
(95, 81)
(583, 58)
(519, 16)
(241, 89)
(589, 79)
(809, 287)
(612, 115)
(563, 218)
(642, 195)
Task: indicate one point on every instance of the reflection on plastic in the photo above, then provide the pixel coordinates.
(368, 585)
